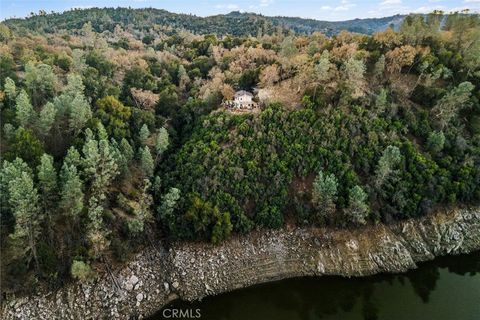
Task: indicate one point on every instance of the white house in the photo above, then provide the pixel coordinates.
(243, 100)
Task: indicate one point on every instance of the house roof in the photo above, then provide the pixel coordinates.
(243, 93)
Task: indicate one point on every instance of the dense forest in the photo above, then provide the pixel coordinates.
(235, 23)
(114, 136)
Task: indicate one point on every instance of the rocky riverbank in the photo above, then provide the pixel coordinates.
(192, 271)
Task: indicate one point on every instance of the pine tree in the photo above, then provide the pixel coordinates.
(358, 209)
(324, 194)
(448, 107)
(9, 172)
(181, 72)
(142, 210)
(40, 81)
(165, 210)
(71, 195)
(24, 109)
(161, 141)
(379, 67)
(81, 270)
(288, 48)
(97, 233)
(98, 161)
(322, 69)
(10, 89)
(23, 201)
(80, 114)
(391, 158)
(74, 86)
(144, 134)
(47, 182)
(8, 131)
(79, 62)
(47, 118)
(436, 141)
(381, 101)
(126, 149)
(146, 161)
(120, 158)
(353, 73)
(47, 178)
(100, 169)
(73, 158)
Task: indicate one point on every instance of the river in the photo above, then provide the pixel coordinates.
(445, 289)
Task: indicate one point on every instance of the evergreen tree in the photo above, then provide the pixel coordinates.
(9, 131)
(358, 209)
(142, 210)
(324, 194)
(379, 67)
(71, 195)
(100, 169)
(167, 207)
(126, 150)
(40, 81)
(436, 141)
(353, 73)
(80, 114)
(9, 172)
(161, 141)
(381, 101)
(448, 107)
(322, 69)
(78, 57)
(47, 178)
(391, 158)
(73, 158)
(23, 201)
(80, 270)
(146, 161)
(96, 232)
(144, 134)
(10, 89)
(74, 86)
(98, 162)
(24, 109)
(47, 118)
(288, 48)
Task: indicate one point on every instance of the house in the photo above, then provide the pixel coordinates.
(242, 100)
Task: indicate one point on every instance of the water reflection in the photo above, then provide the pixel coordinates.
(448, 288)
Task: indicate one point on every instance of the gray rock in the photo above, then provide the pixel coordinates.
(175, 284)
(133, 279)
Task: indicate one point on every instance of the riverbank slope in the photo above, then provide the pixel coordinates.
(194, 270)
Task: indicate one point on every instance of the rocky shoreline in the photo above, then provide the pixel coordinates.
(191, 271)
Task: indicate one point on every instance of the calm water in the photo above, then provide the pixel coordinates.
(447, 288)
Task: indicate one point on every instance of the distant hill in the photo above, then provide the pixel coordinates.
(234, 23)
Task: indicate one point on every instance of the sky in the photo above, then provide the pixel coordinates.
(331, 10)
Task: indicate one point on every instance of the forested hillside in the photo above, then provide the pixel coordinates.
(114, 136)
(235, 23)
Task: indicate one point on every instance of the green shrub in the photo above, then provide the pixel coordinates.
(80, 270)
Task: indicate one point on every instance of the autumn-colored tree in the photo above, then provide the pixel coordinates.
(400, 57)
(269, 76)
(388, 39)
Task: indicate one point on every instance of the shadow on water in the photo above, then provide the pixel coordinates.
(423, 293)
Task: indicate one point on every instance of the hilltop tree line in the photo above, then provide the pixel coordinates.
(152, 20)
(114, 135)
